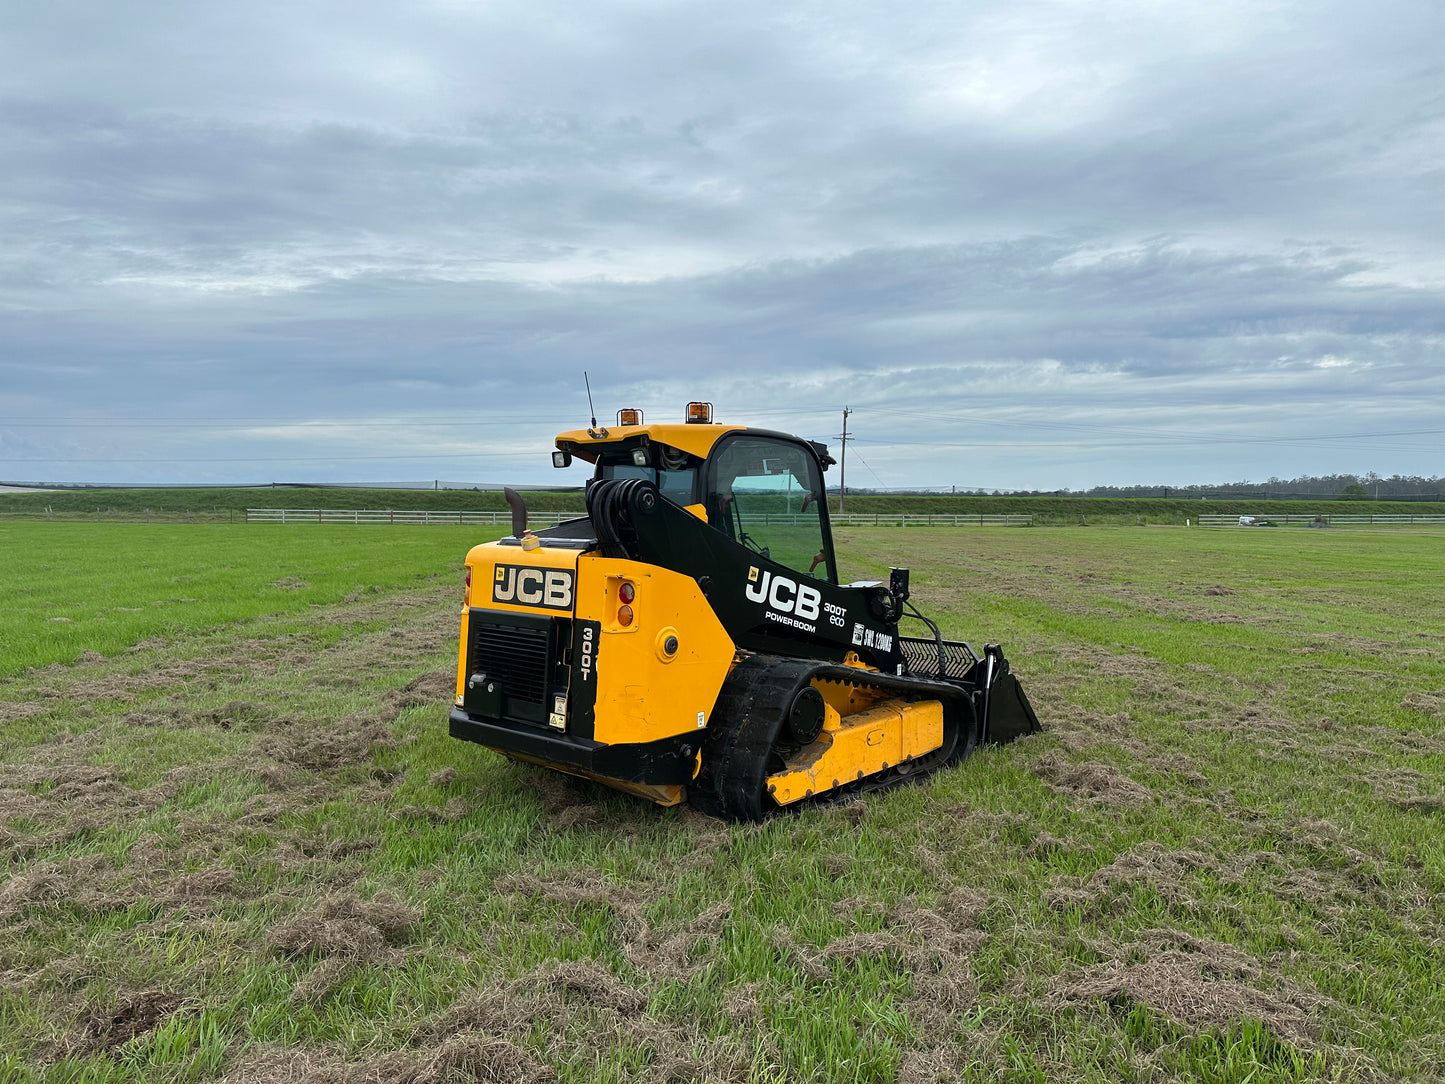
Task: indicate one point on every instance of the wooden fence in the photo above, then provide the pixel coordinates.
(371, 517)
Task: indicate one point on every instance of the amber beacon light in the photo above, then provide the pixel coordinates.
(699, 413)
(629, 416)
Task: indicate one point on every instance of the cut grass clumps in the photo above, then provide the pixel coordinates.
(346, 927)
(1196, 983)
(244, 848)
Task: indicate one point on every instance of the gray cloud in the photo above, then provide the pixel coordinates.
(1118, 240)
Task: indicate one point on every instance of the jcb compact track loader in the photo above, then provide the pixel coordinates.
(688, 638)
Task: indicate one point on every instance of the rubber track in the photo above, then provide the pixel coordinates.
(748, 717)
(745, 723)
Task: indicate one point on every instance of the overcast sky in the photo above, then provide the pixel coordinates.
(1029, 244)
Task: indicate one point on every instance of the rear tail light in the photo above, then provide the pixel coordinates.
(467, 593)
(626, 592)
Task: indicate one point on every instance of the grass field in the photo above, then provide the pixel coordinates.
(68, 589)
(239, 844)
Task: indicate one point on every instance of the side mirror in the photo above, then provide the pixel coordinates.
(561, 458)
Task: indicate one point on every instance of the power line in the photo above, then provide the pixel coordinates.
(428, 422)
(871, 470)
(1316, 439)
(283, 458)
(31, 421)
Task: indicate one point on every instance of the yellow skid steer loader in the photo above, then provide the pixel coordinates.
(688, 640)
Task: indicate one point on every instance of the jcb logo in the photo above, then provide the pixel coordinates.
(784, 595)
(526, 586)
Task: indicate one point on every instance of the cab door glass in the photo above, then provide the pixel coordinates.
(769, 498)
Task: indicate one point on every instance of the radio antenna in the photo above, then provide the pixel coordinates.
(590, 408)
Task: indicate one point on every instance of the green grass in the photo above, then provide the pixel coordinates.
(71, 588)
(1220, 862)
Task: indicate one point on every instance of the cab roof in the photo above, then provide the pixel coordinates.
(695, 439)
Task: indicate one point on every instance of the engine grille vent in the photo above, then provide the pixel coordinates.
(516, 655)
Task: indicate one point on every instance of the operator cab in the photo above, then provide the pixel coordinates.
(763, 490)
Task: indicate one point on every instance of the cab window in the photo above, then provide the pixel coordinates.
(675, 475)
(769, 497)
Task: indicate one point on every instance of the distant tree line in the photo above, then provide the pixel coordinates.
(1371, 486)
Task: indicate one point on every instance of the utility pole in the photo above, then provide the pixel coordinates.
(843, 463)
